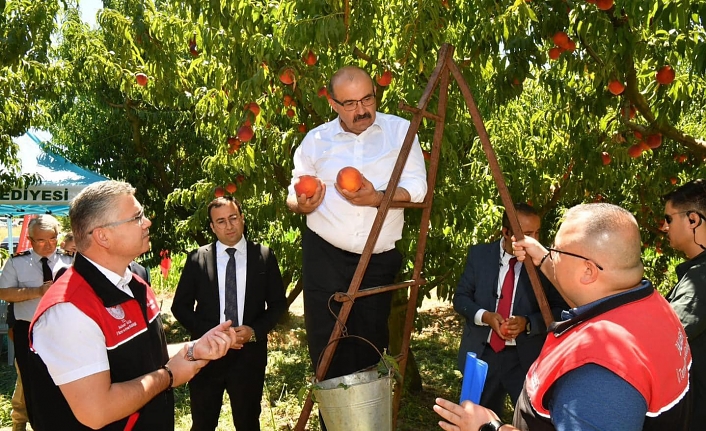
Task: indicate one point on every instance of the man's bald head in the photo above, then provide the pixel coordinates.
(608, 232)
(347, 74)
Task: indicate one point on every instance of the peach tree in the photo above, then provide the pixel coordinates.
(584, 101)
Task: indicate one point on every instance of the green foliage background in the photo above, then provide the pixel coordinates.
(549, 121)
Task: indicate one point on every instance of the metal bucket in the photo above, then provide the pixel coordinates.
(356, 402)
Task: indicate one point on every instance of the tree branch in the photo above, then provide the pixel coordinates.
(590, 51)
(667, 130)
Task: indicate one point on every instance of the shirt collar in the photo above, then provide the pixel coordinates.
(37, 257)
(575, 316)
(504, 256)
(240, 246)
(118, 280)
(683, 267)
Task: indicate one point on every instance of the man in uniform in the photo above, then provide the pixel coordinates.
(24, 280)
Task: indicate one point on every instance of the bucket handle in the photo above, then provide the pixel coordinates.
(389, 370)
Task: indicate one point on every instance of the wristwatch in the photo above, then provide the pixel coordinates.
(190, 351)
(528, 328)
(252, 337)
(491, 426)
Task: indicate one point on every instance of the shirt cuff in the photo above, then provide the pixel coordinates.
(478, 318)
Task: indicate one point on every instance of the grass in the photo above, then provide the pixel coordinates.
(288, 371)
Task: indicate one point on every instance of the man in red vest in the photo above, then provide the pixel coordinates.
(620, 358)
(101, 357)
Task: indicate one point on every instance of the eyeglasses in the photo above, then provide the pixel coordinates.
(669, 217)
(553, 250)
(351, 105)
(43, 242)
(139, 218)
(222, 223)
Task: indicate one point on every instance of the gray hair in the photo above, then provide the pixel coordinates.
(92, 208)
(44, 222)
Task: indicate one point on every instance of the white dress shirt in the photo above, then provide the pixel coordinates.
(81, 351)
(328, 148)
(504, 268)
(241, 265)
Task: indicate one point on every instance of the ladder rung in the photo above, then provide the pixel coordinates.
(424, 114)
(343, 296)
(423, 204)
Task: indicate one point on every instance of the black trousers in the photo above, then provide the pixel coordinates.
(242, 374)
(326, 270)
(505, 376)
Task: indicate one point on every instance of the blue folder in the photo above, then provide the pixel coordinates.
(474, 375)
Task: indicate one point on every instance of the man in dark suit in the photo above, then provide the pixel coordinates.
(509, 339)
(207, 293)
(684, 216)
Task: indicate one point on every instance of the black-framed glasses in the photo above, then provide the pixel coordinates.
(351, 105)
(139, 218)
(669, 218)
(224, 222)
(553, 250)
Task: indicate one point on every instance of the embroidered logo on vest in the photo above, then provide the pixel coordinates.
(117, 312)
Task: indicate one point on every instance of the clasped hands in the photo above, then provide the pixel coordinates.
(507, 329)
(214, 344)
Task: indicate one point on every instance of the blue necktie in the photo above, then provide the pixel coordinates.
(231, 289)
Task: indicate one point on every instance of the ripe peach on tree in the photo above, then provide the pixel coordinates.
(604, 4)
(561, 39)
(555, 53)
(245, 133)
(606, 158)
(616, 87)
(310, 58)
(654, 140)
(385, 79)
(635, 150)
(253, 107)
(141, 79)
(665, 75)
(287, 76)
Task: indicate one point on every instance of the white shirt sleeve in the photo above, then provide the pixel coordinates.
(70, 343)
(478, 318)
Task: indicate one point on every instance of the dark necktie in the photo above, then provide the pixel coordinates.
(504, 304)
(231, 289)
(46, 271)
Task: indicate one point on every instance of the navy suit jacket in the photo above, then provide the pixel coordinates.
(196, 303)
(477, 289)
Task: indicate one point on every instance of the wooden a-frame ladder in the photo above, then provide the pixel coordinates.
(440, 78)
